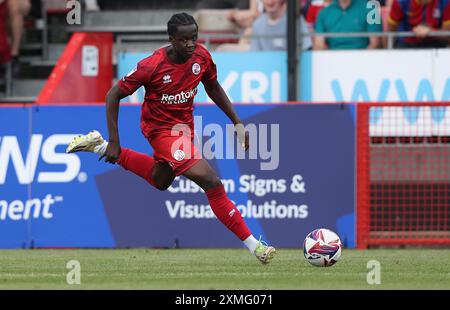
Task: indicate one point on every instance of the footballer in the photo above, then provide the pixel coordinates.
(170, 77)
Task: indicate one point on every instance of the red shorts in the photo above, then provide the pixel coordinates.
(178, 151)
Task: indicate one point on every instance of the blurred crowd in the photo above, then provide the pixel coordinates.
(12, 14)
(262, 23)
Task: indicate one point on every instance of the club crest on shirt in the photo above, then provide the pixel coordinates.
(196, 68)
(179, 155)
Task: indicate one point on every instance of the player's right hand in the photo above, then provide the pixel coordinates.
(112, 152)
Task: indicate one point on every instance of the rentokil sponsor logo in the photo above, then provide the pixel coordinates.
(179, 98)
(25, 164)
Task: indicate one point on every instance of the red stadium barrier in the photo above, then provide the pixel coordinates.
(403, 174)
(84, 72)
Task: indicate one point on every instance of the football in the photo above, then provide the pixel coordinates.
(322, 247)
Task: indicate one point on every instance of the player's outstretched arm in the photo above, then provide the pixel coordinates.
(220, 98)
(112, 114)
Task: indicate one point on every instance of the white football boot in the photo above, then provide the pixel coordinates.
(92, 142)
(264, 253)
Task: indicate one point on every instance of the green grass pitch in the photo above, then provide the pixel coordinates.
(221, 269)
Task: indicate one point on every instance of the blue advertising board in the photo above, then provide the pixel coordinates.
(298, 176)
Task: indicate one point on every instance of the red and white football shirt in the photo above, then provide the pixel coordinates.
(169, 88)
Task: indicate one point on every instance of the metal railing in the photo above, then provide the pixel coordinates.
(208, 38)
(387, 34)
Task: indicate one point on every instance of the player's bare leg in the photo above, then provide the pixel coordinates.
(227, 213)
(203, 175)
(163, 175)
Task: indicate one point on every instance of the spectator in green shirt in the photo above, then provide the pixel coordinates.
(347, 16)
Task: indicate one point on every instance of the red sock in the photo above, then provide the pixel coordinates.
(223, 208)
(138, 163)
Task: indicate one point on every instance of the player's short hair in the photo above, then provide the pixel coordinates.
(179, 19)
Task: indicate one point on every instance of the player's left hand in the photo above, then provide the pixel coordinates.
(112, 152)
(242, 135)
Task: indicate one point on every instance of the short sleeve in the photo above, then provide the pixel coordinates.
(396, 14)
(320, 22)
(210, 73)
(133, 80)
